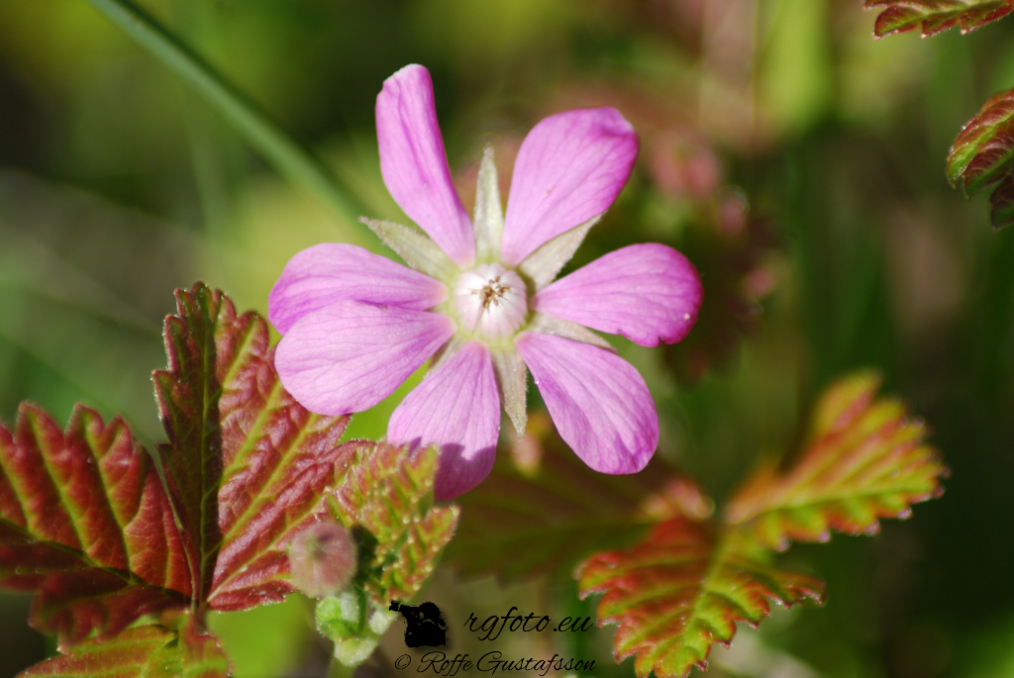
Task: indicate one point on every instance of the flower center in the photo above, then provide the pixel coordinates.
(491, 301)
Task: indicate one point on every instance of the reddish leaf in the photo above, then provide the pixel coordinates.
(983, 155)
(681, 590)
(279, 459)
(866, 461)
(199, 341)
(84, 521)
(542, 509)
(234, 429)
(1002, 203)
(935, 16)
(153, 651)
(388, 493)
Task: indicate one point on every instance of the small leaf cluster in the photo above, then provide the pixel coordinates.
(127, 551)
(983, 154)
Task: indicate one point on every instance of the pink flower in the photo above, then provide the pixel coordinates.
(481, 299)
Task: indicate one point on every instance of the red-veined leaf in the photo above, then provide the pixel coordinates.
(237, 436)
(934, 16)
(983, 156)
(684, 587)
(865, 460)
(681, 590)
(85, 522)
(542, 509)
(188, 393)
(153, 651)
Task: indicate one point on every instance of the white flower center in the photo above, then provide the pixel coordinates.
(491, 302)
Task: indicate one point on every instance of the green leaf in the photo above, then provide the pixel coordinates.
(983, 156)
(935, 16)
(386, 499)
(388, 494)
(247, 465)
(153, 651)
(85, 522)
(542, 509)
(865, 460)
(683, 589)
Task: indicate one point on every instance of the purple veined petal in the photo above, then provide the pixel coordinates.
(330, 272)
(570, 168)
(647, 293)
(349, 356)
(599, 403)
(414, 164)
(456, 407)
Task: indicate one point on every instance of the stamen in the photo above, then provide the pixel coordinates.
(491, 301)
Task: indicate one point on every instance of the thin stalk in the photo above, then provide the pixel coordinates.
(287, 156)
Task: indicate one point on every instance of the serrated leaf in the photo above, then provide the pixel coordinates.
(866, 460)
(244, 459)
(934, 16)
(153, 651)
(279, 459)
(187, 394)
(681, 590)
(983, 155)
(542, 509)
(386, 499)
(85, 522)
(388, 492)
(86, 519)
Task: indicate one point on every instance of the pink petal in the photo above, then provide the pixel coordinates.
(456, 407)
(647, 293)
(598, 401)
(349, 356)
(329, 272)
(570, 169)
(414, 164)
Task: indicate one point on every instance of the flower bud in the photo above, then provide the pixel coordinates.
(323, 559)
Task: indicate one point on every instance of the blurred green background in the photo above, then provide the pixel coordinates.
(798, 162)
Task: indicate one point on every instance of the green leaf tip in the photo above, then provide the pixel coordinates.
(983, 156)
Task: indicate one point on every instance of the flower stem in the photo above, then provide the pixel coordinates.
(281, 151)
